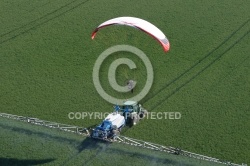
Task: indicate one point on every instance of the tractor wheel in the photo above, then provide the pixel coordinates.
(135, 120)
(116, 132)
(143, 114)
(114, 127)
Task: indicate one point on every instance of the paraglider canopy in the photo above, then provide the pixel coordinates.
(141, 24)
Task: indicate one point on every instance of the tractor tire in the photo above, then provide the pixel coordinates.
(143, 114)
(135, 120)
(116, 132)
(114, 127)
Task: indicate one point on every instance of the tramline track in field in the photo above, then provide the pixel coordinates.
(120, 139)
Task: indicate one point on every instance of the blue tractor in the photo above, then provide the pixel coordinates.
(129, 113)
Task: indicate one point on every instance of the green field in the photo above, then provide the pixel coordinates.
(47, 57)
(53, 147)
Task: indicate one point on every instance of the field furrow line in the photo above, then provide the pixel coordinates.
(40, 21)
(199, 67)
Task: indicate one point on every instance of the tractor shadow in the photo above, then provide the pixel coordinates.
(98, 146)
(92, 144)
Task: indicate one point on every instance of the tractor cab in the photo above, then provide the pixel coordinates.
(133, 112)
(130, 106)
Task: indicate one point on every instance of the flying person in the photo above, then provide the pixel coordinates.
(130, 85)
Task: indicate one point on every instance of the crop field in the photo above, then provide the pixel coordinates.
(46, 63)
(53, 147)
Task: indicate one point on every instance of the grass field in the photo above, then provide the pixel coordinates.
(53, 147)
(47, 58)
